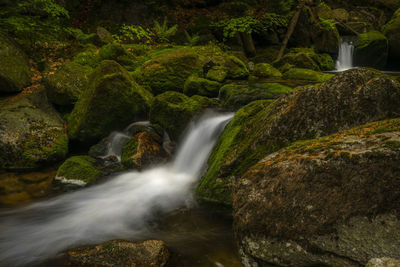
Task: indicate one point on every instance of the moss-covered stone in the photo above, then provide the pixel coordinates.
(88, 57)
(15, 72)
(306, 58)
(169, 70)
(66, 85)
(260, 128)
(112, 100)
(392, 32)
(200, 86)
(372, 50)
(345, 208)
(111, 52)
(142, 151)
(79, 170)
(173, 111)
(265, 70)
(217, 73)
(234, 96)
(306, 74)
(31, 134)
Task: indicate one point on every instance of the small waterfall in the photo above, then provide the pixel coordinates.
(345, 57)
(120, 208)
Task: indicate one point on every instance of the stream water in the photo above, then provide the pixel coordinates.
(345, 57)
(128, 206)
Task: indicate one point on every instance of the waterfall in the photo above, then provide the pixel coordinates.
(117, 209)
(345, 57)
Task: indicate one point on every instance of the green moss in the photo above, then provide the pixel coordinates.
(111, 51)
(200, 86)
(80, 168)
(111, 101)
(366, 39)
(217, 73)
(306, 58)
(129, 150)
(265, 70)
(88, 57)
(306, 74)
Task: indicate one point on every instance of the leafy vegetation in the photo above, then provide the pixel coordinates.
(192, 39)
(133, 34)
(163, 32)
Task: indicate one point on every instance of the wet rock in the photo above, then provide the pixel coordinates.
(331, 201)
(371, 50)
(349, 99)
(142, 151)
(392, 32)
(32, 134)
(173, 111)
(112, 100)
(383, 262)
(151, 253)
(200, 86)
(306, 58)
(15, 72)
(66, 85)
(265, 70)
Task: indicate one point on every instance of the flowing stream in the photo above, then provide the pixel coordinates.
(117, 209)
(345, 57)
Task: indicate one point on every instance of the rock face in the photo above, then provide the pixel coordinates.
(168, 71)
(14, 67)
(66, 85)
(142, 151)
(31, 134)
(151, 253)
(372, 50)
(349, 99)
(112, 100)
(392, 31)
(332, 200)
(173, 111)
(234, 96)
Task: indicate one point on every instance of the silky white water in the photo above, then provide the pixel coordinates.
(119, 208)
(345, 57)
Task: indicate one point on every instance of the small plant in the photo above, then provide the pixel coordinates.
(192, 40)
(243, 24)
(133, 34)
(328, 24)
(163, 32)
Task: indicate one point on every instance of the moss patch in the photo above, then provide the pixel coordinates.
(81, 168)
(306, 74)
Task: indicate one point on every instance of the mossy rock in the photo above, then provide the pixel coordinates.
(66, 85)
(173, 111)
(372, 50)
(88, 57)
(112, 100)
(200, 86)
(344, 188)
(217, 73)
(142, 151)
(233, 96)
(15, 71)
(79, 170)
(392, 31)
(306, 74)
(32, 134)
(169, 70)
(306, 58)
(261, 128)
(265, 70)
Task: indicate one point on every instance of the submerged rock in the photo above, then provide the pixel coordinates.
(66, 85)
(173, 111)
(332, 200)
(142, 151)
(112, 100)
(32, 134)
(151, 253)
(15, 72)
(349, 99)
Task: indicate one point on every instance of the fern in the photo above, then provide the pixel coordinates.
(192, 40)
(133, 33)
(163, 32)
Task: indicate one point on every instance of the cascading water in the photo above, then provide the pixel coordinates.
(345, 57)
(119, 208)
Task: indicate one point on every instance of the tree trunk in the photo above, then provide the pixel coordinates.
(291, 28)
(248, 44)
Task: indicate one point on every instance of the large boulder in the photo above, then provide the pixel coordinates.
(349, 99)
(15, 72)
(200, 86)
(112, 100)
(234, 96)
(32, 134)
(169, 71)
(330, 201)
(173, 111)
(371, 50)
(392, 32)
(265, 70)
(150, 253)
(66, 85)
(306, 58)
